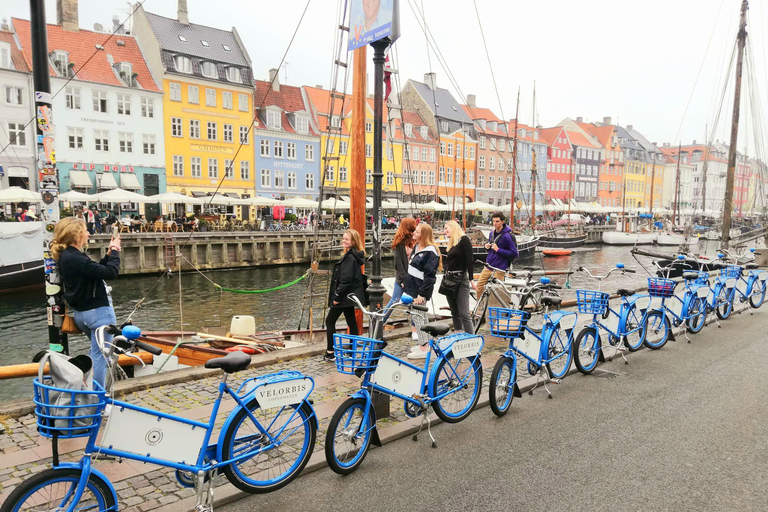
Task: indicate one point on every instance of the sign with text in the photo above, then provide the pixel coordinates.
(372, 20)
(280, 394)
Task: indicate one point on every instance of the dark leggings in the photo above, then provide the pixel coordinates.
(330, 322)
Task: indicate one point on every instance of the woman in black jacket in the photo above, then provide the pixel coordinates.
(347, 278)
(84, 288)
(459, 266)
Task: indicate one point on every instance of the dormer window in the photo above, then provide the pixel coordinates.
(125, 70)
(209, 70)
(302, 124)
(335, 121)
(423, 131)
(226, 48)
(233, 75)
(444, 126)
(5, 56)
(205, 43)
(273, 119)
(60, 60)
(183, 64)
(408, 130)
(182, 39)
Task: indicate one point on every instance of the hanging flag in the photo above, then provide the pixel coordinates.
(387, 78)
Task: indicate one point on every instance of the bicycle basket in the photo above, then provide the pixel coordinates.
(507, 323)
(356, 353)
(731, 271)
(65, 412)
(592, 302)
(703, 278)
(661, 287)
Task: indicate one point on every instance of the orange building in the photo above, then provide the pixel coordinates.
(610, 179)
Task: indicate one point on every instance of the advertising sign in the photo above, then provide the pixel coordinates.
(372, 20)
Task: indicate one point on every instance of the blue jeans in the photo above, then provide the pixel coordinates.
(397, 293)
(88, 322)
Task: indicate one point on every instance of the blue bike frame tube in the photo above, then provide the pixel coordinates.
(85, 466)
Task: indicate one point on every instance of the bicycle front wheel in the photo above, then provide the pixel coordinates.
(634, 329)
(559, 353)
(757, 297)
(275, 462)
(697, 315)
(460, 381)
(502, 385)
(349, 436)
(54, 489)
(587, 350)
(656, 324)
(478, 314)
(724, 301)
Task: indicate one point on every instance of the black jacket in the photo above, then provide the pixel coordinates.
(460, 258)
(401, 264)
(347, 278)
(83, 278)
(422, 272)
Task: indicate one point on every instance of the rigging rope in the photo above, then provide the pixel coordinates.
(282, 286)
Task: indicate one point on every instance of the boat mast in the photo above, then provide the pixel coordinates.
(650, 206)
(514, 165)
(677, 185)
(533, 166)
(463, 180)
(727, 205)
(570, 182)
(704, 172)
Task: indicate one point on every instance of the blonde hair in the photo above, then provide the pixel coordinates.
(357, 240)
(67, 233)
(456, 233)
(427, 239)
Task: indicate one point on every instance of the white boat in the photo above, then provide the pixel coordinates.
(622, 238)
(21, 255)
(675, 239)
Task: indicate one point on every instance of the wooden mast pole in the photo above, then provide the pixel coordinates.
(357, 178)
(463, 180)
(677, 185)
(650, 204)
(514, 166)
(533, 166)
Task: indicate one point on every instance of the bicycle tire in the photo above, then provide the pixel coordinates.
(536, 321)
(344, 467)
(246, 474)
(556, 347)
(696, 315)
(478, 313)
(656, 322)
(501, 386)
(724, 303)
(760, 293)
(100, 490)
(635, 327)
(587, 350)
(470, 372)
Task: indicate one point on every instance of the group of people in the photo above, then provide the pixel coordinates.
(417, 262)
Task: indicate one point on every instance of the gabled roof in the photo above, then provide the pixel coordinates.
(528, 133)
(447, 106)
(289, 99)
(320, 103)
(480, 113)
(19, 64)
(601, 133)
(413, 118)
(167, 32)
(81, 46)
(645, 143)
(578, 139)
(550, 135)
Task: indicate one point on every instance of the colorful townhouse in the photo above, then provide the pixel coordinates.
(286, 143)
(108, 115)
(530, 143)
(419, 159)
(611, 173)
(207, 85)
(494, 155)
(587, 155)
(684, 182)
(634, 169)
(558, 171)
(654, 169)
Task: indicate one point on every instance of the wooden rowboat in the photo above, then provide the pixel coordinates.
(556, 252)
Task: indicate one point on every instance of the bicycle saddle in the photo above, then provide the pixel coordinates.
(689, 276)
(751, 266)
(623, 292)
(551, 301)
(436, 329)
(231, 363)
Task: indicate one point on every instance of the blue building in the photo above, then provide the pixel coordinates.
(287, 146)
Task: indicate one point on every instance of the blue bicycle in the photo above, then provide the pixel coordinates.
(734, 282)
(625, 328)
(264, 443)
(549, 352)
(451, 385)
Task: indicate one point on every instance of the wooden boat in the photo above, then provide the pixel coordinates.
(564, 241)
(526, 244)
(21, 256)
(556, 252)
(628, 238)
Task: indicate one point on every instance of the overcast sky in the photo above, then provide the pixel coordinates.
(634, 61)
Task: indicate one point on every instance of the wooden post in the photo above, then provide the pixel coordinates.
(677, 185)
(357, 178)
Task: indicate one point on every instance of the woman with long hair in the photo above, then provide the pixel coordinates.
(458, 269)
(402, 245)
(84, 288)
(347, 279)
(422, 274)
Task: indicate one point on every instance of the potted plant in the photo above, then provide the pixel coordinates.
(202, 226)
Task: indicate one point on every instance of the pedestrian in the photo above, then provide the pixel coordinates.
(402, 246)
(341, 220)
(110, 220)
(422, 274)
(458, 275)
(96, 221)
(19, 215)
(346, 279)
(502, 249)
(84, 288)
(90, 219)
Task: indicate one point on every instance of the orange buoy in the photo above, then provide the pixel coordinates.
(241, 348)
(556, 252)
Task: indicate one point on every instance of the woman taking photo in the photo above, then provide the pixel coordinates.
(458, 276)
(422, 274)
(402, 245)
(347, 278)
(84, 288)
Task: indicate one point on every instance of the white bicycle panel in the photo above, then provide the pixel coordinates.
(529, 346)
(612, 322)
(742, 287)
(152, 436)
(730, 283)
(467, 347)
(280, 394)
(703, 292)
(643, 303)
(676, 306)
(568, 322)
(396, 376)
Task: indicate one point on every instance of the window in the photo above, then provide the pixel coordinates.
(390, 153)
(329, 144)
(279, 179)
(309, 152)
(482, 142)
(210, 97)
(148, 107)
(368, 176)
(273, 120)
(75, 136)
(99, 101)
(368, 151)
(194, 129)
(176, 130)
(493, 144)
(229, 171)
(193, 94)
(450, 149)
(125, 142)
(212, 129)
(449, 175)
(243, 135)
(302, 124)
(228, 133)
(266, 178)
(233, 75)
(178, 165)
(481, 181)
(242, 102)
(471, 153)
(13, 95)
(471, 178)
(245, 170)
(390, 178)
(442, 174)
(196, 166)
(423, 131)
(342, 147)
(424, 177)
(368, 126)
(213, 167)
(278, 149)
(342, 174)
(442, 148)
(492, 163)
(73, 98)
(432, 154)
(431, 177)
(291, 179)
(209, 69)
(175, 91)
(330, 173)
(501, 145)
(264, 147)
(101, 140)
(444, 126)
(17, 134)
(5, 56)
(309, 181)
(148, 143)
(501, 164)
(290, 150)
(226, 100)
(481, 162)
(61, 62)
(424, 153)
(458, 150)
(182, 64)
(336, 121)
(491, 182)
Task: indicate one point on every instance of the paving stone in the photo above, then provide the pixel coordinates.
(133, 500)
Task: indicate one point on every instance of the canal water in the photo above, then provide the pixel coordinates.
(23, 330)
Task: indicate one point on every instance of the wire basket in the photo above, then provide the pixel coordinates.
(703, 278)
(661, 287)
(507, 323)
(67, 413)
(592, 302)
(731, 271)
(356, 353)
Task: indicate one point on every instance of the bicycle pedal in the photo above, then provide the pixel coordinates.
(556, 381)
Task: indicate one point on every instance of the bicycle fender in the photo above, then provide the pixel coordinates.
(600, 356)
(375, 440)
(672, 336)
(516, 389)
(95, 473)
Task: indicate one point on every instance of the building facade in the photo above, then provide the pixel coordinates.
(559, 178)
(419, 159)
(611, 173)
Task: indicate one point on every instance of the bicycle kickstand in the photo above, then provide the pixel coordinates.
(425, 418)
(205, 490)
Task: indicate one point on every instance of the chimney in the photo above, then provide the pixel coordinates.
(4, 26)
(116, 28)
(66, 15)
(318, 86)
(274, 79)
(694, 142)
(579, 119)
(182, 14)
(431, 80)
(471, 101)
(607, 120)
(630, 127)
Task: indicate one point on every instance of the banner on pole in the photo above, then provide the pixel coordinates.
(372, 20)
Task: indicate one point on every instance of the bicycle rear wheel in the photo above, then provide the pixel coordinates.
(478, 313)
(724, 303)
(696, 315)
(462, 380)
(587, 350)
(54, 489)
(656, 324)
(634, 328)
(273, 464)
(502, 385)
(346, 443)
(559, 353)
(757, 297)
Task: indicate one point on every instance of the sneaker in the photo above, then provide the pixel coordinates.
(415, 336)
(329, 357)
(418, 354)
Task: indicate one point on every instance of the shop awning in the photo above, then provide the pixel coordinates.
(232, 194)
(79, 179)
(107, 181)
(129, 181)
(199, 193)
(18, 172)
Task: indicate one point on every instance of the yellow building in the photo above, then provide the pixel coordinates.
(634, 183)
(207, 82)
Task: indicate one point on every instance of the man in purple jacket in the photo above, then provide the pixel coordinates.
(502, 249)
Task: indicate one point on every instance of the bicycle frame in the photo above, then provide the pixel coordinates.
(549, 326)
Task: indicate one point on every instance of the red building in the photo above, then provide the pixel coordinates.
(558, 163)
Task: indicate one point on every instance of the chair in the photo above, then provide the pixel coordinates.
(158, 226)
(124, 228)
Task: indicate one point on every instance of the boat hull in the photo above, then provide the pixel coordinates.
(675, 240)
(563, 242)
(621, 238)
(21, 276)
